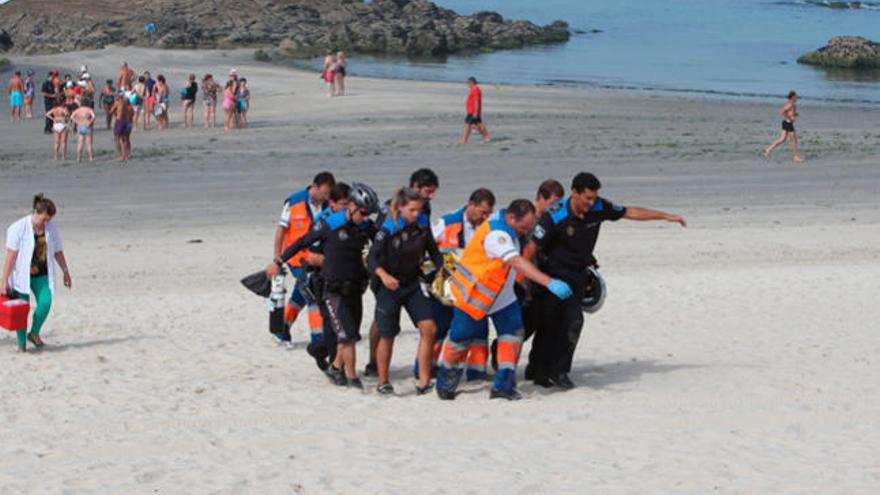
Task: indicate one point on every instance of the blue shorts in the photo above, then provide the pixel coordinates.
(389, 303)
(16, 99)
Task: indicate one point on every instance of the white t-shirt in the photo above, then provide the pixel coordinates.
(20, 238)
(499, 245)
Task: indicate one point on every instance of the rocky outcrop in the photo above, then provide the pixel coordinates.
(293, 27)
(831, 4)
(849, 52)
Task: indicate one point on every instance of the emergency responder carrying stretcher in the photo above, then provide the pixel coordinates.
(342, 237)
(297, 216)
(483, 288)
(453, 232)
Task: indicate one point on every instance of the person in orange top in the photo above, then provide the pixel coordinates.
(297, 216)
(482, 287)
(474, 108)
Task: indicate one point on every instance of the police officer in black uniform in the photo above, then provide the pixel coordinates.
(425, 182)
(565, 238)
(342, 237)
(396, 258)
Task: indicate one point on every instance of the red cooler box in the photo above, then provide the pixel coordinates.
(14, 313)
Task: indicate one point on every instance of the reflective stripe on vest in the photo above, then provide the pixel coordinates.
(478, 279)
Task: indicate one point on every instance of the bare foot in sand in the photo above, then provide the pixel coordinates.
(798, 158)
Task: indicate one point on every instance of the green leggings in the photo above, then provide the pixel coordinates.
(40, 288)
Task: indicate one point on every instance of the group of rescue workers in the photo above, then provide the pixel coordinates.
(527, 267)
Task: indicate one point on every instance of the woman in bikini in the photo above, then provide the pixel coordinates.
(789, 115)
(339, 74)
(60, 118)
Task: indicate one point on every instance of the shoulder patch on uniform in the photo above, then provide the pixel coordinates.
(599, 205)
(539, 232)
(336, 220)
(390, 226)
(559, 211)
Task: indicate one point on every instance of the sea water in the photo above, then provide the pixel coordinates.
(728, 48)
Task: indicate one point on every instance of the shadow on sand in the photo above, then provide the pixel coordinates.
(610, 374)
(94, 343)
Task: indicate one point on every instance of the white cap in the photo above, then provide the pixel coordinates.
(86, 76)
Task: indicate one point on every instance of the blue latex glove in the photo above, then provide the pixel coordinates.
(559, 288)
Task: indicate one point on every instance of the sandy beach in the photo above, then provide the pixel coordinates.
(737, 356)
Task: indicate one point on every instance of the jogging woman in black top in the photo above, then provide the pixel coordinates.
(395, 258)
(342, 237)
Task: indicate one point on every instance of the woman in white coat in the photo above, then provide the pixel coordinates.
(31, 244)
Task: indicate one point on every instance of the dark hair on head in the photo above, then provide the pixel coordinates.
(141, 78)
(324, 178)
(18, 73)
(482, 195)
(43, 204)
(401, 198)
(424, 177)
(192, 77)
(550, 188)
(472, 79)
(110, 82)
(585, 180)
(243, 79)
(207, 76)
(340, 191)
(520, 208)
(229, 83)
(160, 78)
(791, 94)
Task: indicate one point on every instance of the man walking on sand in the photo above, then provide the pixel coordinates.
(789, 115)
(474, 108)
(16, 96)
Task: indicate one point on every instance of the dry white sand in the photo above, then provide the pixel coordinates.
(736, 356)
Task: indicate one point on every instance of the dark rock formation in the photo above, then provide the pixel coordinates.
(293, 27)
(848, 52)
(5, 41)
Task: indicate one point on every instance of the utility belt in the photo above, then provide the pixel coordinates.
(346, 287)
